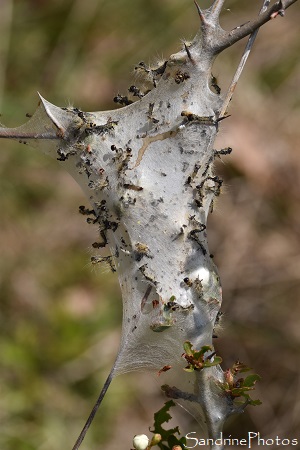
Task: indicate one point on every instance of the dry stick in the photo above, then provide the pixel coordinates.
(248, 28)
(93, 412)
(241, 64)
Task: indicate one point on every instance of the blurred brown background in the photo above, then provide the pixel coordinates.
(60, 319)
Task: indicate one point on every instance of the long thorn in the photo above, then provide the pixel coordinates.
(202, 18)
(188, 52)
(93, 412)
(241, 64)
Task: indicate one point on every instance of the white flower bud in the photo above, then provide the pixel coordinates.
(140, 442)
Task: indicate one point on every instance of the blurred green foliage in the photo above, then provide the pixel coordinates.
(60, 320)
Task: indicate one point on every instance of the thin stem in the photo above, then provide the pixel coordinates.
(175, 393)
(248, 28)
(94, 411)
(8, 133)
(241, 64)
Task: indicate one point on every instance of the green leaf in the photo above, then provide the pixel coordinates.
(204, 349)
(173, 440)
(239, 367)
(217, 360)
(250, 380)
(160, 417)
(224, 386)
(189, 369)
(188, 348)
(241, 391)
(255, 402)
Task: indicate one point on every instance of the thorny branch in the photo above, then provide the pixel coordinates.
(239, 33)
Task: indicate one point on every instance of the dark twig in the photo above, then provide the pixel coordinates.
(239, 33)
(93, 412)
(188, 52)
(241, 64)
(175, 393)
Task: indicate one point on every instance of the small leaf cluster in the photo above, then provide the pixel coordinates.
(235, 386)
(197, 360)
(168, 439)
